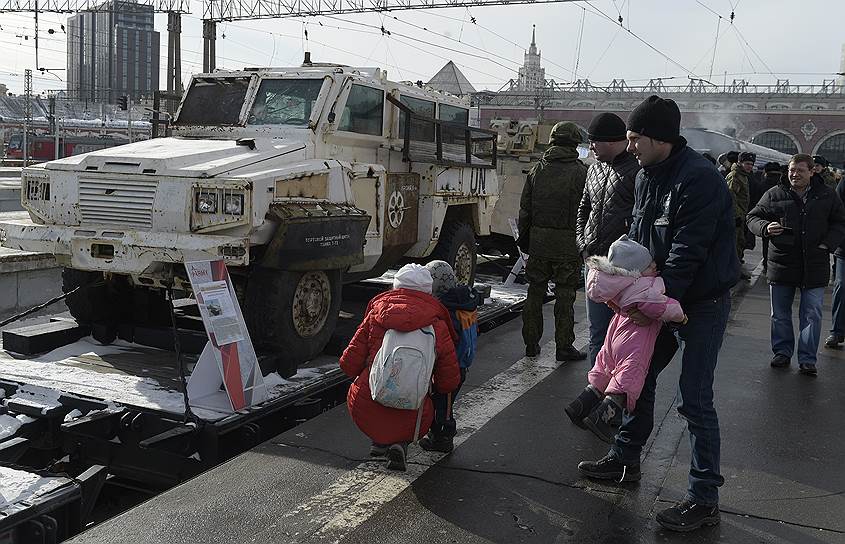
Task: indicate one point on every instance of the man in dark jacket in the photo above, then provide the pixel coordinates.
(821, 166)
(684, 214)
(804, 220)
(605, 211)
(548, 209)
(771, 178)
(837, 329)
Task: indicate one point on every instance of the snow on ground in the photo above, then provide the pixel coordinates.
(17, 486)
(47, 375)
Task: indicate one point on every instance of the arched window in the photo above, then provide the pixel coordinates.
(833, 149)
(777, 141)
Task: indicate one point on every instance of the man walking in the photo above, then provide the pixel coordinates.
(605, 211)
(837, 329)
(804, 220)
(771, 178)
(548, 209)
(821, 166)
(738, 181)
(684, 214)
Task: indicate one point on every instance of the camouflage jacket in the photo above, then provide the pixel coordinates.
(548, 208)
(738, 184)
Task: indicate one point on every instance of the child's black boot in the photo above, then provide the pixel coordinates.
(605, 420)
(581, 407)
(437, 442)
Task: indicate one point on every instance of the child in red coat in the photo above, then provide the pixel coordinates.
(406, 307)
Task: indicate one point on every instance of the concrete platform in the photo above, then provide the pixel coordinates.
(513, 477)
(10, 189)
(27, 279)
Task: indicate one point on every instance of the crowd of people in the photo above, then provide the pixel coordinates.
(662, 230)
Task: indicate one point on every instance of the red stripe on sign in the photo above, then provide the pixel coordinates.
(218, 270)
(232, 375)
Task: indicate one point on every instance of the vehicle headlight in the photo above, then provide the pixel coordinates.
(233, 204)
(207, 202)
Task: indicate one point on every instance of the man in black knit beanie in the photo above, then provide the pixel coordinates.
(683, 213)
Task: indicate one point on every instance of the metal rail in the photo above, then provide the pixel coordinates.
(74, 6)
(232, 10)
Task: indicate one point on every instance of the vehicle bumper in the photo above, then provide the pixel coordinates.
(122, 252)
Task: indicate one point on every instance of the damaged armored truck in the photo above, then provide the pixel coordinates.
(300, 179)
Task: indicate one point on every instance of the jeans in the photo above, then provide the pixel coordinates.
(702, 338)
(809, 322)
(838, 316)
(598, 317)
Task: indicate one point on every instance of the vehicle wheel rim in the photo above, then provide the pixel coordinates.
(463, 264)
(311, 302)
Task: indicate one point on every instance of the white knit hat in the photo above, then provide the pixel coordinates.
(628, 254)
(413, 276)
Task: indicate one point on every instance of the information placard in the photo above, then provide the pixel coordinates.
(229, 358)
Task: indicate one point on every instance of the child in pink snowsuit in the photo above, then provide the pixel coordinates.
(626, 279)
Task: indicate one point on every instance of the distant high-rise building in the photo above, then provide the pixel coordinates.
(531, 75)
(113, 52)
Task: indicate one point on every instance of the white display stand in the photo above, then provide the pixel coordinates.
(228, 359)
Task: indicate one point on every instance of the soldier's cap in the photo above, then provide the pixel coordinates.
(747, 156)
(821, 161)
(565, 133)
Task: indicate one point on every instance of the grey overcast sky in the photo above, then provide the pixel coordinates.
(769, 40)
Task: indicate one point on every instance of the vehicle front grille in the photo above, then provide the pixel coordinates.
(123, 202)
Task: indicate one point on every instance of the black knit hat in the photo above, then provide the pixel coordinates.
(821, 161)
(606, 127)
(747, 156)
(732, 156)
(771, 167)
(657, 118)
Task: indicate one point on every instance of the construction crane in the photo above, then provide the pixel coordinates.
(215, 11)
(173, 8)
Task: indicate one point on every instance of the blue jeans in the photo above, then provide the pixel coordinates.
(702, 339)
(838, 316)
(598, 317)
(809, 322)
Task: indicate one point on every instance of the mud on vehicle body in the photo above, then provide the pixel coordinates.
(299, 178)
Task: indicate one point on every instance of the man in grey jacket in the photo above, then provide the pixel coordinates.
(605, 211)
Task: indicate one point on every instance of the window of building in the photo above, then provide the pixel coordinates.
(454, 114)
(833, 149)
(420, 130)
(284, 101)
(777, 141)
(364, 111)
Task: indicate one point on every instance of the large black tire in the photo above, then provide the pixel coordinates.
(456, 246)
(292, 314)
(93, 303)
(113, 300)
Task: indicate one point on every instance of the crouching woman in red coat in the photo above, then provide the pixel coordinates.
(406, 307)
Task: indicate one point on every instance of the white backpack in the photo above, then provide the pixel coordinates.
(400, 376)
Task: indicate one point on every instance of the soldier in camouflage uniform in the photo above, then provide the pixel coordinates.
(547, 216)
(822, 168)
(738, 181)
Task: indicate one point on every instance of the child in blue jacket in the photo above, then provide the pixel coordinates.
(462, 302)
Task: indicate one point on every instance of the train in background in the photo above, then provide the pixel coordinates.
(715, 143)
(43, 147)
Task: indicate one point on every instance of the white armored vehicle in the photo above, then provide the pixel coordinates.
(299, 178)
